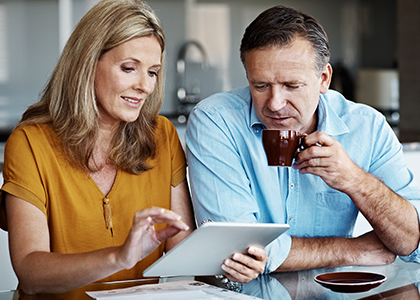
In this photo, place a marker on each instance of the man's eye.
(260, 87)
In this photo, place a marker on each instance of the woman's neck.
(100, 156)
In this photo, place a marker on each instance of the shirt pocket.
(335, 214)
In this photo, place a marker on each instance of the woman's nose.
(145, 83)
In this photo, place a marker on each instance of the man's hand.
(332, 252)
(393, 218)
(370, 251)
(244, 268)
(325, 158)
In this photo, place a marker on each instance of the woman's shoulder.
(33, 134)
(34, 129)
(165, 127)
(164, 123)
(166, 133)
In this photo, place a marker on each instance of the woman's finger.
(167, 232)
(151, 216)
(156, 212)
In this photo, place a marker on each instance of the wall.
(29, 50)
(362, 34)
(409, 65)
(29, 45)
(8, 280)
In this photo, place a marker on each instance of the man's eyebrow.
(288, 82)
(293, 82)
(257, 81)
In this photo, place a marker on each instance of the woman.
(91, 168)
(94, 179)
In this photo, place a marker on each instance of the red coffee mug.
(281, 146)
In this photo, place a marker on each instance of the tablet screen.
(203, 252)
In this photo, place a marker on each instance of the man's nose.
(277, 99)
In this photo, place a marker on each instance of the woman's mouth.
(131, 100)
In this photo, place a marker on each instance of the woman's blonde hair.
(68, 103)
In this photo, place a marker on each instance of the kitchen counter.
(402, 281)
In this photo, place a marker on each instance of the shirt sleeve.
(389, 166)
(21, 173)
(219, 179)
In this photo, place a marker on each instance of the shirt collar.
(254, 122)
(328, 120)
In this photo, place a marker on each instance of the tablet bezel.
(204, 250)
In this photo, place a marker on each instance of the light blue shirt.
(231, 181)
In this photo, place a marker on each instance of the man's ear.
(325, 78)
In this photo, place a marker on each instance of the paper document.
(176, 290)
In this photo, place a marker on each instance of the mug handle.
(302, 146)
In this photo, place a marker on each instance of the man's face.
(285, 87)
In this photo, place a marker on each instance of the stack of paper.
(177, 290)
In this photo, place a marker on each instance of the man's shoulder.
(341, 105)
(236, 99)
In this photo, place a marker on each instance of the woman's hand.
(244, 268)
(143, 238)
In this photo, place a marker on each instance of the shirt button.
(290, 218)
(292, 185)
(302, 279)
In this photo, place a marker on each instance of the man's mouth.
(279, 118)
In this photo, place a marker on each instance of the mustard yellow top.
(36, 170)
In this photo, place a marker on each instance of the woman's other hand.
(245, 267)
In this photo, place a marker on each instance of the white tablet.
(203, 252)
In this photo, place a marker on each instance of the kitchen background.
(363, 37)
(373, 52)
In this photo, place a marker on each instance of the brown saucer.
(350, 282)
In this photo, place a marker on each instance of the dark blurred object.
(379, 88)
(188, 97)
(4, 135)
(342, 81)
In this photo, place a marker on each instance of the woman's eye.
(153, 74)
(127, 69)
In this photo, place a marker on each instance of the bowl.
(350, 282)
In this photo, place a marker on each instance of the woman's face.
(125, 76)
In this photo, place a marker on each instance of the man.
(353, 161)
